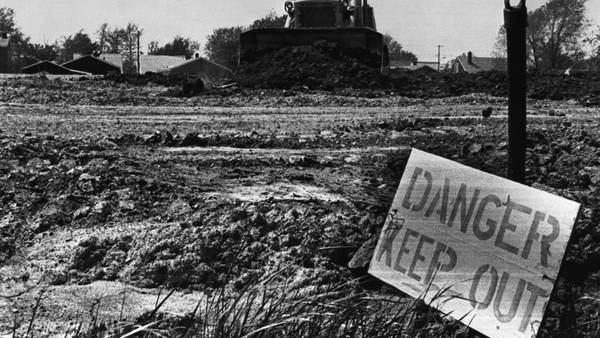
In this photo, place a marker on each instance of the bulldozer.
(347, 25)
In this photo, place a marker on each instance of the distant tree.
(38, 52)
(103, 36)
(397, 52)
(18, 41)
(499, 50)
(130, 35)
(594, 43)
(179, 46)
(153, 47)
(223, 46)
(554, 35)
(118, 40)
(115, 40)
(79, 43)
(271, 20)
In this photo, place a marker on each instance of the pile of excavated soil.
(323, 66)
(320, 66)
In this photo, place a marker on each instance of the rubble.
(260, 194)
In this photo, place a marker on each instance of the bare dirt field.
(112, 195)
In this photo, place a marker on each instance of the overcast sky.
(419, 25)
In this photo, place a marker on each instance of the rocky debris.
(162, 137)
(98, 259)
(193, 140)
(95, 166)
(7, 249)
(362, 258)
(50, 216)
(179, 208)
(87, 183)
(102, 209)
(288, 85)
(107, 145)
(487, 112)
(126, 206)
(354, 159)
(302, 160)
(81, 212)
(221, 240)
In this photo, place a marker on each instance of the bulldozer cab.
(329, 14)
(349, 25)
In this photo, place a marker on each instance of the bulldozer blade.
(363, 43)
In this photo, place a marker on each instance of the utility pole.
(439, 57)
(515, 21)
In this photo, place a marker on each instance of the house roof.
(198, 64)
(209, 72)
(91, 64)
(481, 64)
(50, 68)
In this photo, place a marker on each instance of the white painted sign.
(494, 244)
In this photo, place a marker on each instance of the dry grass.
(282, 307)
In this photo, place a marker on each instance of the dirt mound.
(324, 66)
(583, 87)
(320, 66)
(427, 84)
(181, 85)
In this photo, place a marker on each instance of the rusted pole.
(515, 22)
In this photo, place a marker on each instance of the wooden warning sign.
(494, 247)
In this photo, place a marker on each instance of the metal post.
(515, 22)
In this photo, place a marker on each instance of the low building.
(209, 72)
(469, 63)
(113, 59)
(159, 63)
(430, 65)
(51, 68)
(148, 63)
(93, 65)
(395, 64)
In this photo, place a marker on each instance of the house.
(209, 72)
(469, 63)
(113, 59)
(93, 65)
(47, 67)
(395, 64)
(159, 63)
(4, 59)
